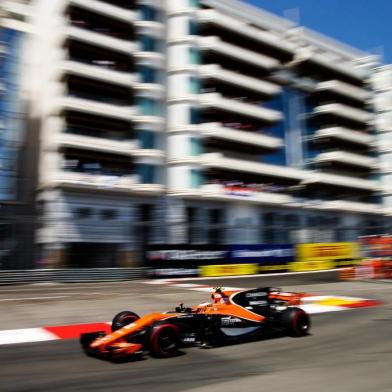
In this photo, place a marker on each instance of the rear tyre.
(164, 340)
(122, 319)
(296, 322)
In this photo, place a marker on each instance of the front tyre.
(296, 322)
(122, 319)
(164, 340)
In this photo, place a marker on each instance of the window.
(83, 212)
(194, 116)
(196, 178)
(194, 56)
(146, 139)
(146, 173)
(193, 27)
(109, 214)
(194, 3)
(148, 75)
(194, 85)
(148, 107)
(195, 146)
(148, 44)
(148, 13)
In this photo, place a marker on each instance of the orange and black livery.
(230, 316)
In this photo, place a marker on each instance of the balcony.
(219, 192)
(103, 8)
(219, 161)
(345, 134)
(334, 180)
(68, 140)
(80, 52)
(233, 30)
(255, 140)
(347, 158)
(214, 44)
(344, 111)
(325, 65)
(94, 182)
(216, 72)
(215, 100)
(89, 106)
(101, 40)
(352, 206)
(344, 89)
(98, 73)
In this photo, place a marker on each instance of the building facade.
(195, 121)
(382, 84)
(16, 223)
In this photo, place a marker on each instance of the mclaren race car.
(230, 316)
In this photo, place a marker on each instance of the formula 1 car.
(231, 316)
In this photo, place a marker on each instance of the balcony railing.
(347, 158)
(217, 101)
(344, 111)
(345, 89)
(217, 72)
(99, 71)
(218, 131)
(108, 9)
(345, 134)
(102, 40)
(94, 107)
(217, 45)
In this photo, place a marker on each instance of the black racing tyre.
(122, 319)
(295, 321)
(164, 340)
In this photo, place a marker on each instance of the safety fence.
(8, 277)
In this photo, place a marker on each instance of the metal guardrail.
(9, 277)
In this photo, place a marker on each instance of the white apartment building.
(212, 119)
(382, 84)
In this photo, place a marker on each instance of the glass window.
(148, 44)
(147, 12)
(195, 146)
(194, 56)
(146, 173)
(193, 3)
(193, 27)
(194, 85)
(148, 75)
(194, 116)
(109, 214)
(83, 212)
(196, 178)
(148, 107)
(146, 139)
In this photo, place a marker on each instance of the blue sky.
(365, 24)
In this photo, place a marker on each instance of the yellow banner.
(311, 265)
(228, 269)
(327, 251)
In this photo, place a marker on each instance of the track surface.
(347, 351)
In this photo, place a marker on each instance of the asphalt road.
(347, 351)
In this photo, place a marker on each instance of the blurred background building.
(16, 197)
(382, 83)
(192, 122)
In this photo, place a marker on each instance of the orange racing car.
(231, 316)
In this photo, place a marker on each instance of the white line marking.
(26, 336)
